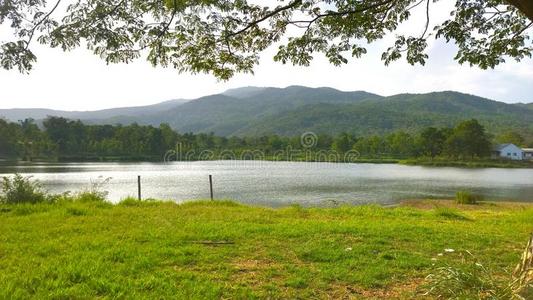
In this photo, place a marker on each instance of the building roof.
(527, 149)
(502, 146)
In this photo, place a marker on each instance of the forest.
(61, 139)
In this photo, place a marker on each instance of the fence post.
(139, 187)
(211, 186)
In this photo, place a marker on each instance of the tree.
(225, 37)
(58, 131)
(511, 137)
(431, 141)
(401, 144)
(275, 143)
(372, 146)
(9, 136)
(343, 142)
(169, 136)
(31, 139)
(468, 140)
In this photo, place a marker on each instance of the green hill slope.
(294, 110)
(297, 109)
(227, 115)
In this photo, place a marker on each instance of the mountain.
(243, 92)
(137, 111)
(227, 115)
(526, 105)
(296, 109)
(406, 111)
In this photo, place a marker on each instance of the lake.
(281, 183)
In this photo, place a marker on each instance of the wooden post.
(139, 186)
(211, 186)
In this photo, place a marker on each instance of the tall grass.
(523, 273)
(473, 280)
(466, 197)
(95, 191)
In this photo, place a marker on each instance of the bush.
(21, 189)
(465, 197)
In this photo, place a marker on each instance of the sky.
(78, 80)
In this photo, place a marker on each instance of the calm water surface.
(281, 183)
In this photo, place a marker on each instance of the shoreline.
(466, 164)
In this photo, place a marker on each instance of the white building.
(528, 153)
(509, 151)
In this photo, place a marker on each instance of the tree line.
(63, 139)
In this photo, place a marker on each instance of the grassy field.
(202, 250)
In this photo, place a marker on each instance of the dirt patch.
(252, 271)
(396, 291)
(485, 205)
(251, 265)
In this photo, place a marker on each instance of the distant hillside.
(296, 109)
(406, 111)
(524, 105)
(243, 92)
(138, 111)
(226, 115)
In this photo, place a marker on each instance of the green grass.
(199, 250)
(475, 163)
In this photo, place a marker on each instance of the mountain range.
(296, 109)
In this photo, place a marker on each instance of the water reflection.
(282, 183)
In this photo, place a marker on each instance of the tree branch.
(32, 31)
(265, 17)
(524, 6)
(343, 13)
(522, 30)
(427, 20)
